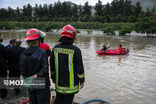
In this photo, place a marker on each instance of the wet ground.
(127, 79)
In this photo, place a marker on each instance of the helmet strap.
(74, 36)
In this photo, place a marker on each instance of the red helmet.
(33, 34)
(68, 31)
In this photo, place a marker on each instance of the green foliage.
(109, 30)
(77, 31)
(116, 11)
(87, 9)
(7, 25)
(127, 28)
(89, 31)
(99, 8)
(146, 25)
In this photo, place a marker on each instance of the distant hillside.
(146, 3)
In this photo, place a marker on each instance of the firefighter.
(67, 67)
(43, 45)
(34, 62)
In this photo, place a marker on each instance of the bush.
(127, 28)
(146, 25)
(109, 30)
(89, 31)
(77, 31)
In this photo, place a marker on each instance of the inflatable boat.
(112, 52)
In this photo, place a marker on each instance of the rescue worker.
(43, 45)
(67, 67)
(120, 49)
(105, 48)
(34, 62)
(3, 67)
(13, 61)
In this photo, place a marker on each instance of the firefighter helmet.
(33, 34)
(68, 31)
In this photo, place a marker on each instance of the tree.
(98, 8)
(27, 10)
(75, 10)
(87, 9)
(127, 8)
(3, 14)
(51, 11)
(57, 9)
(153, 11)
(11, 13)
(36, 10)
(65, 9)
(80, 10)
(107, 9)
(138, 9)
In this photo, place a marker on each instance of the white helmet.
(42, 34)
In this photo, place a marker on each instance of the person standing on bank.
(43, 45)
(34, 62)
(11, 43)
(67, 67)
(3, 67)
(13, 61)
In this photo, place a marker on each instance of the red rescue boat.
(113, 52)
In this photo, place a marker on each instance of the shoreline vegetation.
(146, 25)
(119, 15)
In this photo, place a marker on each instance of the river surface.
(127, 79)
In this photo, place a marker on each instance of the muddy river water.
(127, 79)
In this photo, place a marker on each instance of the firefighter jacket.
(67, 68)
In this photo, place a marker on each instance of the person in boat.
(3, 67)
(34, 64)
(120, 49)
(105, 48)
(66, 59)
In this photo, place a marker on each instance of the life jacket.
(120, 49)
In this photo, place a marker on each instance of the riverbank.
(143, 26)
(92, 32)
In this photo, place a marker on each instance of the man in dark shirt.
(13, 61)
(3, 66)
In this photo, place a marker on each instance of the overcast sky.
(20, 3)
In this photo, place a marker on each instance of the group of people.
(67, 71)
(120, 49)
(9, 61)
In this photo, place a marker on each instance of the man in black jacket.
(3, 66)
(67, 67)
(13, 61)
(34, 62)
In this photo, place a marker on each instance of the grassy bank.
(56, 25)
(144, 25)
